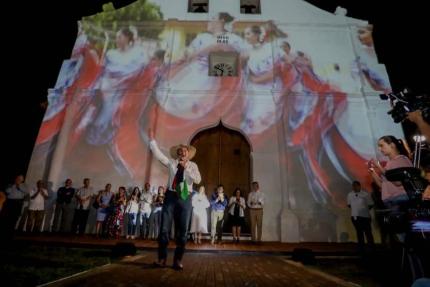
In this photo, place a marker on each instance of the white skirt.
(199, 222)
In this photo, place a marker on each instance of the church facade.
(275, 91)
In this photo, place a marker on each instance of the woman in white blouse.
(199, 222)
(131, 210)
(236, 210)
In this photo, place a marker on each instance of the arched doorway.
(223, 157)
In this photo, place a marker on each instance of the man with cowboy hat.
(177, 203)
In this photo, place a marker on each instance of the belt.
(176, 191)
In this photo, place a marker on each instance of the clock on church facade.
(223, 64)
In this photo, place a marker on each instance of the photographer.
(412, 106)
(417, 118)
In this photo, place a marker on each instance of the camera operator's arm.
(426, 193)
(417, 118)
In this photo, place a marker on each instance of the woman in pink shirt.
(393, 193)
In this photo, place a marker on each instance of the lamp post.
(417, 152)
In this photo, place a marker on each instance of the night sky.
(41, 35)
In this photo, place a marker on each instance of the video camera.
(405, 102)
(416, 213)
(411, 179)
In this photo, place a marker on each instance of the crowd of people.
(23, 210)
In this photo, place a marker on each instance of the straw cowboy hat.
(191, 151)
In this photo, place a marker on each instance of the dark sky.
(40, 35)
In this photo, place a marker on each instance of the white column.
(289, 221)
(60, 147)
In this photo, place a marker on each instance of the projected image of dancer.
(111, 118)
(367, 59)
(121, 65)
(190, 73)
(260, 114)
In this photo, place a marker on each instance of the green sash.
(183, 192)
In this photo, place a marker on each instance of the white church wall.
(312, 114)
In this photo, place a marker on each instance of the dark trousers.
(177, 210)
(151, 226)
(10, 214)
(131, 223)
(62, 217)
(363, 227)
(157, 224)
(144, 224)
(34, 220)
(80, 219)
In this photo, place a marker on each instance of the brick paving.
(205, 269)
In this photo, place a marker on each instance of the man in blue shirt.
(11, 212)
(218, 204)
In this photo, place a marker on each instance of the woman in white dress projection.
(198, 94)
(199, 221)
(261, 108)
(121, 66)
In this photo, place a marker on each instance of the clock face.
(222, 69)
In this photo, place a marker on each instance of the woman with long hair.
(236, 209)
(131, 210)
(117, 217)
(393, 193)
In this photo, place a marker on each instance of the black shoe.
(178, 266)
(160, 264)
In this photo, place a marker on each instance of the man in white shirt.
(256, 203)
(36, 208)
(177, 203)
(360, 203)
(82, 209)
(145, 208)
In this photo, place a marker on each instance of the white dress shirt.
(359, 203)
(256, 199)
(37, 203)
(86, 194)
(145, 201)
